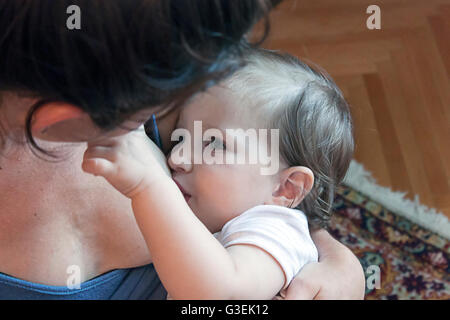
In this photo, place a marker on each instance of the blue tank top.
(141, 283)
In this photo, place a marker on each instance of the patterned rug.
(409, 261)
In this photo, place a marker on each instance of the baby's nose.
(179, 162)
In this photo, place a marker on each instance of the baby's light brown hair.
(313, 118)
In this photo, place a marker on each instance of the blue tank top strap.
(141, 283)
(134, 283)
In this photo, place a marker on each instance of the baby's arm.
(191, 263)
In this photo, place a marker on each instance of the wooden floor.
(397, 81)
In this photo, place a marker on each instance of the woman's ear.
(60, 121)
(52, 113)
(294, 184)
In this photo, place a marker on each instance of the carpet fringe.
(360, 179)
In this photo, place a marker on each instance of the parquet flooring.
(396, 79)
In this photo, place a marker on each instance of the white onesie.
(282, 232)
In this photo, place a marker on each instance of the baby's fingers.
(98, 167)
(100, 152)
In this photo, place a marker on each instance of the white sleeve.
(282, 232)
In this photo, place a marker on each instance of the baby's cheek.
(242, 189)
(218, 192)
(217, 187)
(228, 190)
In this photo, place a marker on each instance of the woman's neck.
(53, 215)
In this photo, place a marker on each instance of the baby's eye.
(217, 143)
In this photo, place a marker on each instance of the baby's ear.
(294, 184)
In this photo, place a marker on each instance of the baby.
(221, 229)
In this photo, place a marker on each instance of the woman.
(60, 88)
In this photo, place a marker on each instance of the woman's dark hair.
(128, 55)
(313, 118)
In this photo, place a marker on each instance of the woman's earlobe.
(52, 113)
(63, 122)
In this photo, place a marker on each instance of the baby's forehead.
(221, 107)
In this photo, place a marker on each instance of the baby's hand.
(130, 162)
